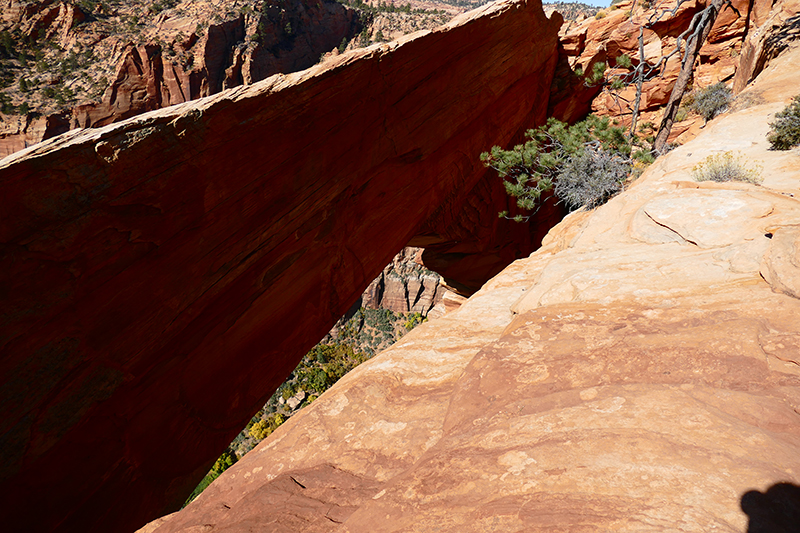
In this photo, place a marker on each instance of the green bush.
(712, 101)
(7, 44)
(598, 71)
(784, 133)
(726, 167)
(592, 158)
(623, 61)
(6, 107)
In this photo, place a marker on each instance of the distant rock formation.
(571, 11)
(639, 372)
(197, 48)
(162, 276)
(194, 49)
(139, 56)
(405, 286)
(286, 38)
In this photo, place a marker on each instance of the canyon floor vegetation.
(354, 340)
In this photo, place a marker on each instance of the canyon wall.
(284, 37)
(745, 36)
(639, 372)
(162, 276)
(189, 50)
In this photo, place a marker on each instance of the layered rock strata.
(639, 372)
(404, 285)
(162, 276)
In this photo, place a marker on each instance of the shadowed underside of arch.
(160, 277)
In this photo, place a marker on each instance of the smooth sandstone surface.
(162, 276)
(640, 372)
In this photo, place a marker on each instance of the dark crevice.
(670, 229)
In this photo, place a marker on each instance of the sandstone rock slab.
(615, 380)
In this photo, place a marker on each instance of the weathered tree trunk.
(693, 44)
(639, 82)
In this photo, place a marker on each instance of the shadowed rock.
(160, 277)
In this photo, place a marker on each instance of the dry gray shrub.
(712, 101)
(726, 167)
(591, 177)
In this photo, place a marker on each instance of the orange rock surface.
(162, 276)
(734, 38)
(640, 372)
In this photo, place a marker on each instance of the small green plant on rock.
(225, 461)
(597, 74)
(724, 167)
(624, 61)
(711, 101)
(784, 133)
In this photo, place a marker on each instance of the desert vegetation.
(726, 166)
(784, 132)
(710, 101)
(584, 164)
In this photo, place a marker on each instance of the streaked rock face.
(640, 372)
(146, 78)
(404, 285)
(162, 276)
(194, 50)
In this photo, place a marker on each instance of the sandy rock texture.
(640, 372)
(162, 276)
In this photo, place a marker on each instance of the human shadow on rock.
(775, 511)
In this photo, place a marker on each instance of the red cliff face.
(196, 49)
(732, 42)
(160, 277)
(284, 39)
